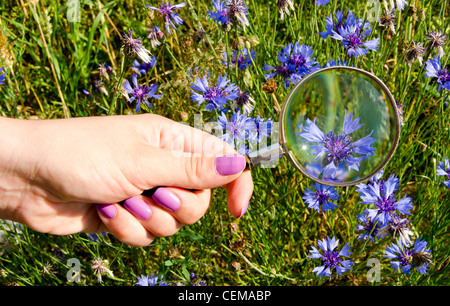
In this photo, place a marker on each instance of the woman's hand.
(66, 176)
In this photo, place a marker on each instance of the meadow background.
(50, 60)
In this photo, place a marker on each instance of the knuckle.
(195, 213)
(194, 167)
(166, 226)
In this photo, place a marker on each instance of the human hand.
(55, 174)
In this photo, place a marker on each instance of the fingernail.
(138, 208)
(227, 165)
(244, 209)
(107, 210)
(166, 198)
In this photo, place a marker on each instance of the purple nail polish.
(107, 210)
(244, 209)
(228, 165)
(166, 198)
(137, 207)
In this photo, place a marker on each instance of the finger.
(181, 138)
(150, 167)
(122, 224)
(239, 193)
(153, 218)
(184, 205)
(167, 134)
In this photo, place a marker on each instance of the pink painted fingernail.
(244, 209)
(228, 165)
(107, 210)
(166, 198)
(138, 208)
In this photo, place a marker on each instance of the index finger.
(179, 137)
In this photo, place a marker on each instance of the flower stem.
(276, 104)
(118, 88)
(63, 101)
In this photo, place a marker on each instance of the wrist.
(15, 167)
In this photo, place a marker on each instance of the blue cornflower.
(134, 46)
(140, 93)
(443, 168)
(322, 2)
(288, 74)
(144, 67)
(333, 25)
(215, 96)
(405, 258)
(221, 13)
(263, 129)
(377, 178)
(337, 149)
(170, 16)
(143, 280)
(434, 69)
(322, 195)
(300, 57)
(146, 280)
(352, 38)
(2, 77)
(381, 195)
(395, 226)
(331, 258)
(237, 129)
(370, 229)
(351, 31)
(229, 12)
(241, 59)
(296, 61)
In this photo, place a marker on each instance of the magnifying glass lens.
(340, 126)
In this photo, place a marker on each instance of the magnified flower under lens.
(336, 149)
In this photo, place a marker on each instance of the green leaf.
(191, 235)
(186, 273)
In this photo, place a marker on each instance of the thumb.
(160, 167)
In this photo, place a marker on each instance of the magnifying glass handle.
(264, 156)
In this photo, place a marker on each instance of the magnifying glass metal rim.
(291, 157)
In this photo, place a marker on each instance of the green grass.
(272, 240)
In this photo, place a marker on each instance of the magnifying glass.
(338, 126)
